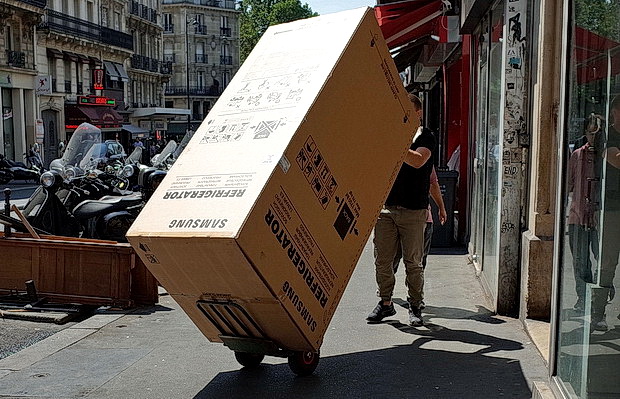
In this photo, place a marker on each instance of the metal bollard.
(7, 210)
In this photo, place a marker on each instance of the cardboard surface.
(274, 198)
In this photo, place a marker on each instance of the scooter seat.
(109, 203)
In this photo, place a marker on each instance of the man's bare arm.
(417, 158)
(435, 192)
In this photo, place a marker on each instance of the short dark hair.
(415, 100)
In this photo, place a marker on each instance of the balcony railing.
(169, 28)
(16, 58)
(201, 59)
(143, 11)
(67, 86)
(225, 59)
(165, 68)
(150, 64)
(193, 91)
(169, 58)
(80, 88)
(228, 4)
(225, 32)
(200, 29)
(36, 3)
(64, 23)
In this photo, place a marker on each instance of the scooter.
(107, 218)
(18, 170)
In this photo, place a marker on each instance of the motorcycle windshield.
(183, 144)
(83, 138)
(159, 160)
(135, 156)
(101, 154)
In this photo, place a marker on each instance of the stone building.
(83, 48)
(201, 39)
(18, 65)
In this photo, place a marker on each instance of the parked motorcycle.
(33, 159)
(16, 170)
(87, 151)
(108, 217)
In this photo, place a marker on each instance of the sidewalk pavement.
(463, 351)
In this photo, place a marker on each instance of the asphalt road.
(16, 335)
(19, 190)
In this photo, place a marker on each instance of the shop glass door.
(588, 327)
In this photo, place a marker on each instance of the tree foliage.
(257, 15)
(599, 16)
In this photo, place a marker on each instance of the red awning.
(591, 51)
(406, 21)
(97, 115)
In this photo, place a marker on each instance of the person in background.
(584, 172)
(62, 146)
(435, 192)
(402, 221)
(605, 291)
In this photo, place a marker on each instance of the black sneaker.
(599, 323)
(381, 311)
(415, 317)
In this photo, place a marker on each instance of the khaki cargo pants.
(395, 224)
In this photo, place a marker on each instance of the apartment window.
(8, 37)
(76, 9)
(90, 11)
(168, 23)
(104, 16)
(200, 79)
(224, 21)
(65, 7)
(117, 20)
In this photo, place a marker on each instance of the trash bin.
(443, 235)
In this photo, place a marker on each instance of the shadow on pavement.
(483, 315)
(422, 369)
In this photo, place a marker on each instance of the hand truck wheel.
(303, 363)
(249, 360)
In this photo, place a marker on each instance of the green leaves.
(258, 15)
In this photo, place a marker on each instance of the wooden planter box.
(69, 270)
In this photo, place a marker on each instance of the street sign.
(39, 131)
(43, 85)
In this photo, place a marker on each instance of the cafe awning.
(111, 71)
(121, 72)
(144, 112)
(136, 132)
(406, 21)
(102, 117)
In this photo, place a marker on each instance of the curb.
(57, 342)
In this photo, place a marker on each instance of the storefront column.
(514, 155)
(537, 247)
(19, 126)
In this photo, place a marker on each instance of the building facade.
(201, 40)
(148, 71)
(84, 51)
(18, 66)
(539, 170)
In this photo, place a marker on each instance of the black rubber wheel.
(303, 363)
(249, 360)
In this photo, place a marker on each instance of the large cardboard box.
(258, 226)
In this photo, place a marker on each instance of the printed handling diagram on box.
(270, 92)
(236, 129)
(317, 172)
(324, 185)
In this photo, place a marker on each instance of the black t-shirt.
(411, 188)
(612, 178)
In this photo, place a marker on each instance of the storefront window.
(487, 137)
(588, 336)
